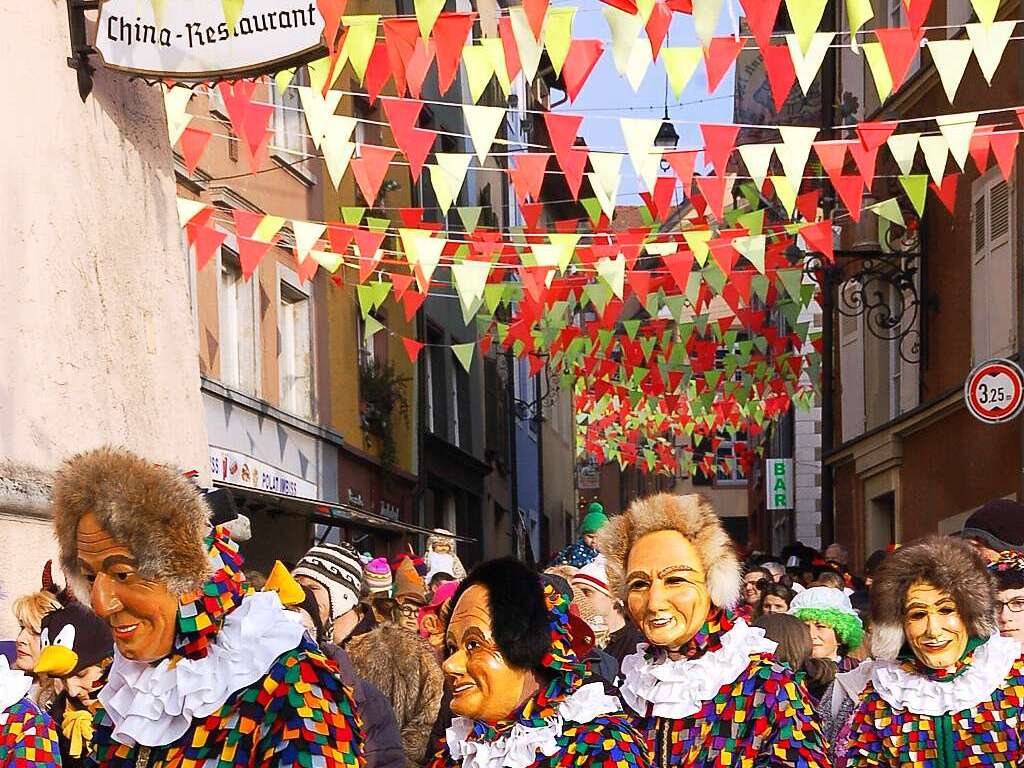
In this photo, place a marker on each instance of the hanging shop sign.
(779, 473)
(193, 40)
(994, 391)
(239, 469)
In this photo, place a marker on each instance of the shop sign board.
(779, 475)
(192, 40)
(994, 391)
(239, 469)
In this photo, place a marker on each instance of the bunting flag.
(989, 41)
(680, 64)
(950, 58)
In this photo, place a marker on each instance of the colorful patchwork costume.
(968, 716)
(569, 723)
(727, 702)
(28, 737)
(244, 687)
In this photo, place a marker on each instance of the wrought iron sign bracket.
(81, 50)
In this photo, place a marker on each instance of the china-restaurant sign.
(192, 40)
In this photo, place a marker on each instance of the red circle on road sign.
(994, 391)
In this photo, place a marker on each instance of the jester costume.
(726, 702)
(949, 715)
(966, 716)
(244, 686)
(570, 722)
(28, 737)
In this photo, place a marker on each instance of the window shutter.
(851, 367)
(1001, 272)
(979, 271)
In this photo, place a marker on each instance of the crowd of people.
(650, 641)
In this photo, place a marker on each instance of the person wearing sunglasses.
(1008, 571)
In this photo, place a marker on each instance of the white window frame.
(737, 478)
(290, 142)
(290, 292)
(992, 278)
(229, 336)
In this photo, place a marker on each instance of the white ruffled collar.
(903, 689)
(676, 689)
(14, 685)
(519, 747)
(154, 705)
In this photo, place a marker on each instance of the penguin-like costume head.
(72, 639)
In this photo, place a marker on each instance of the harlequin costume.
(722, 699)
(965, 714)
(570, 721)
(241, 685)
(28, 737)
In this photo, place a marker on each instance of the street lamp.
(667, 138)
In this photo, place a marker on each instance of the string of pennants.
(721, 344)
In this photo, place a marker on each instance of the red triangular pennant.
(450, 33)
(872, 135)
(579, 63)
(412, 348)
(573, 163)
(807, 204)
(369, 243)
(418, 66)
(1004, 147)
(946, 192)
(528, 174)
(332, 11)
(865, 160)
(513, 65)
(832, 155)
(340, 236)
(400, 284)
(412, 301)
(250, 254)
(640, 281)
(531, 213)
(819, 238)
(719, 56)
(899, 45)
(206, 241)
(246, 221)
(193, 144)
(682, 162)
(657, 26)
(679, 265)
(418, 144)
(307, 270)
(535, 11)
(980, 142)
(719, 141)
(400, 36)
(713, 190)
(917, 12)
(761, 15)
(778, 63)
(378, 72)
(370, 168)
(562, 130)
(851, 192)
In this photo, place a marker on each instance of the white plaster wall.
(96, 336)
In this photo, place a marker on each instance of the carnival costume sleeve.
(28, 738)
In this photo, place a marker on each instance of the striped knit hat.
(377, 575)
(337, 569)
(593, 575)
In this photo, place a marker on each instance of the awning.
(329, 512)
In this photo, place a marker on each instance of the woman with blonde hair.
(29, 610)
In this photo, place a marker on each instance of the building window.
(993, 305)
(239, 326)
(728, 468)
(289, 125)
(374, 349)
(295, 358)
(437, 401)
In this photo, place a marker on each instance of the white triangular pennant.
(903, 147)
(483, 124)
(306, 235)
(794, 151)
(757, 158)
(989, 43)
(935, 150)
(958, 130)
(807, 65)
(950, 58)
(318, 110)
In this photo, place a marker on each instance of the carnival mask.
(485, 687)
(666, 589)
(933, 626)
(142, 614)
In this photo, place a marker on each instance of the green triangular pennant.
(464, 354)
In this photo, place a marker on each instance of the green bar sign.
(779, 474)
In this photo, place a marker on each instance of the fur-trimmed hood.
(154, 511)
(694, 517)
(951, 565)
(403, 667)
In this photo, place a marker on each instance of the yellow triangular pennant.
(680, 64)
(557, 33)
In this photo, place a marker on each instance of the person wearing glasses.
(1008, 571)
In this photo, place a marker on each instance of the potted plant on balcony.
(382, 398)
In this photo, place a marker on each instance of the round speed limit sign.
(995, 391)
